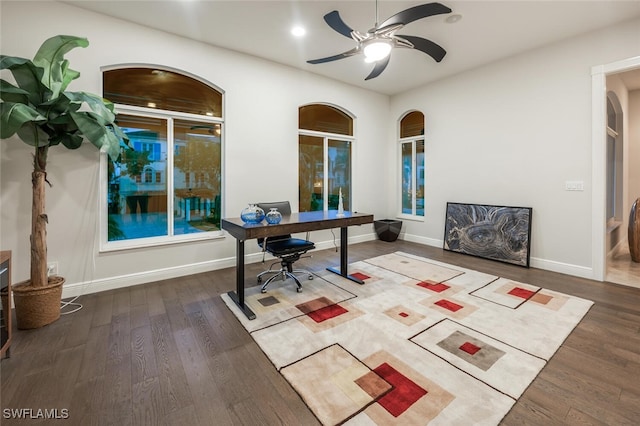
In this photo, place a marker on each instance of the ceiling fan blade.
(415, 13)
(342, 55)
(335, 21)
(380, 66)
(427, 46)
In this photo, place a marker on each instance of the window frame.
(109, 246)
(326, 136)
(325, 159)
(414, 166)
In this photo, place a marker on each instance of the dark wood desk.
(296, 222)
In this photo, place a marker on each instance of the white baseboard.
(112, 283)
(547, 265)
(421, 240)
(563, 268)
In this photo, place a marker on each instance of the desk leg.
(344, 258)
(238, 295)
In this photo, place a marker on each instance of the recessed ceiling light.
(452, 19)
(298, 31)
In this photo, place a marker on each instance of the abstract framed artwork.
(493, 232)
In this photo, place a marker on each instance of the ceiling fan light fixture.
(298, 31)
(376, 50)
(376, 43)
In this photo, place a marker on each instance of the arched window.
(148, 174)
(169, 186)
(412, 164)
(325, 140)
(162, 90)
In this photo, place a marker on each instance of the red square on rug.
(453, 307)
(433, 286)
(521, 292)
(315, 304)
(360, 276)
(405, 391)
(326, 313)
(469, 348)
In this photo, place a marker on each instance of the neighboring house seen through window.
(168, 188)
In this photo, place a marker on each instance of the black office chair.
(284, 247)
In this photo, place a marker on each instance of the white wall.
(617, 235)
(634, 149)
(511, 133)
(262, 100)
(630, 103)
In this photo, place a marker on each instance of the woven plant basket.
(37, 306)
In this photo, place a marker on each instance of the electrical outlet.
(52, 268)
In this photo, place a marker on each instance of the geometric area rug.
(421, 342)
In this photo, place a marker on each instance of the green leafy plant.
(42, 113)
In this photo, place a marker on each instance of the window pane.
(407, 173)
(311, 173)
(137, 200)
(412, 125)
(339, 174)
(611, 115)
(324, 118)
(419, 178)
(197, 176)
(611, 177)
(165, 90)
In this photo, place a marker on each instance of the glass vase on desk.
(273, 217)
(252, 214)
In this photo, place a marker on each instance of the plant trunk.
(39, 276)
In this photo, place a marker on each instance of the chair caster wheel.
(259, 280)
(299, 290)
(310, 277)
(264, 290)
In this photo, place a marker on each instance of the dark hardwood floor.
(171, 353)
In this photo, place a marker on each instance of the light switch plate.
(574, 185)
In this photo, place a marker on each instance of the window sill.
(613, 225)
(410, 217)
(114, 246)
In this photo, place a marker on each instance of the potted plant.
(39, 110)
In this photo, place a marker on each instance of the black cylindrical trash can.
(387, 229)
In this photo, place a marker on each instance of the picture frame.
(501, 233)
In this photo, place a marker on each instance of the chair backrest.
(285, 210)
(283, 207)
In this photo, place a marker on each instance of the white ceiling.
(488, 31)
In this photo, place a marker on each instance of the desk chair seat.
(285, 247)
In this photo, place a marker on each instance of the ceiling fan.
(377, 43)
